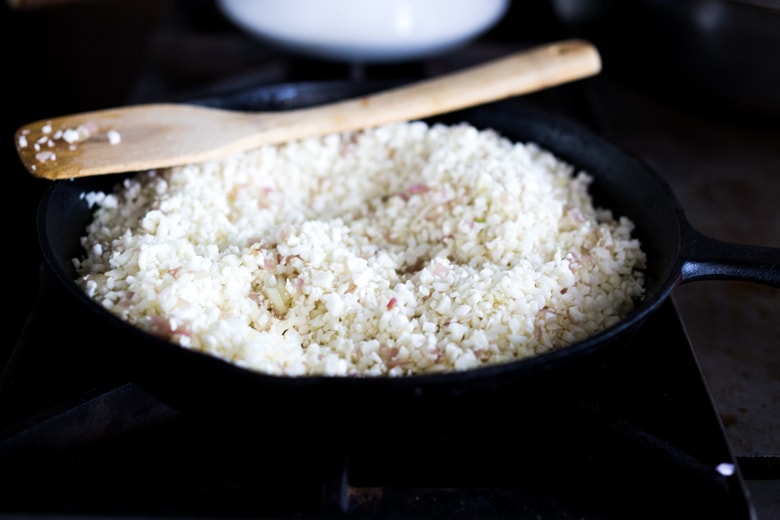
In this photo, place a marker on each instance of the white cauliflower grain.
(405, 249)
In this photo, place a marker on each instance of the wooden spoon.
(158, 135)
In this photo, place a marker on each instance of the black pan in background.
(676, 254)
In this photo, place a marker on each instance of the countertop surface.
(727, 177)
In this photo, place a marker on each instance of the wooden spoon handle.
(518, 73)
(159, 135)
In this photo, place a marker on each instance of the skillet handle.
(707, 258)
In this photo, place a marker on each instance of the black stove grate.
(639, 439)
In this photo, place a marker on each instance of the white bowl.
(365, 31)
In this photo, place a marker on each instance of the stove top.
(639, 438)
(656, 434)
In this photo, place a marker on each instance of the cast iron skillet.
(676, 254)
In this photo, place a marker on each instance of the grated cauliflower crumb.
(406, 249)
(113, 137)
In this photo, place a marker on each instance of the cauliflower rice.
(406, 249)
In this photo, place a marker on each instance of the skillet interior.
(187, 378)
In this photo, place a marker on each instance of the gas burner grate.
(640, 440)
